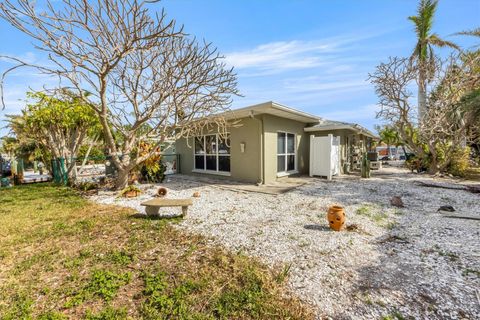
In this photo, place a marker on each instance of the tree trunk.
(422, 95)
(121, 181)
(84, 162)
(433, 168)
(404, 151)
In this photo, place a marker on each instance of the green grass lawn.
(62, 257)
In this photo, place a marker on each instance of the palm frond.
(435, 40)
(474, 32)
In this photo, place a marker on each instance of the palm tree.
(389, 136)
(423, 52)
(473, 33)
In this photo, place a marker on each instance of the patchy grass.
(377, 215)
(64, 257)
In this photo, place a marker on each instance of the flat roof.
(283, 111)
(328, 125)
(275, 109)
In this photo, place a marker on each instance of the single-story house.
(271, 141)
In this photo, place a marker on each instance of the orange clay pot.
(336, 218)
(161, 192)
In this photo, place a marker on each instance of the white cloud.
(280, 55)
(318, 84)
(352, 113)
(275, 57)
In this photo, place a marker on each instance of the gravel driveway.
(413, 262)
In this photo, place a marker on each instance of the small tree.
(59, 123)
(142, 71)
(442, 133)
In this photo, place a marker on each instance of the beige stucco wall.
(243, 166)
(272, 125)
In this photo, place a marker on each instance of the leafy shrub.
(96, 155)
(152, 169)
(416, 164)
(129, 189)
(153, 172)
(460, 162)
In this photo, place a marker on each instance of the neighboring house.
(272, 141)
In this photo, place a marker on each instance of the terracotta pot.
(161, 192)
(336, 218)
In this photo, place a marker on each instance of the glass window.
(280, 163)
(290, 162)
(285, 152)
(290, 143)
(281, 142)
(223, 145)
(211, 163)
(224, 163)
(212, 153)
(199, 145)
(200, 162)
(211, 144)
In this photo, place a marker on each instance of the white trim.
(218, 173)
(273, 108)
(286, 173)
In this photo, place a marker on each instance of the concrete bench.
(153, 206)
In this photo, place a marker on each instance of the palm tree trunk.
(422, 95)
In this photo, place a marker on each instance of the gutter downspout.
(262, 147)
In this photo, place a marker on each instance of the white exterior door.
(324, 156)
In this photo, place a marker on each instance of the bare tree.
(445, 127)
(146, 77)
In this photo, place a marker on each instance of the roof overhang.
(272, 108)
(352, 127)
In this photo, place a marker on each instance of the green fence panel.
(59, 171)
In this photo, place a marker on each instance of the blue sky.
(308, 54)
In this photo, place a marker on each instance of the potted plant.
(130, 192)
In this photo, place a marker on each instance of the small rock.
(396, 201)
(446, 208)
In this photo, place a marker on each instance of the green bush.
(154, 172)
(460, 162)
(96, 154)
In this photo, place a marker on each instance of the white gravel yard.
(413, 262)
